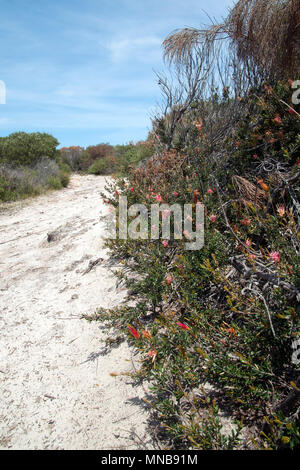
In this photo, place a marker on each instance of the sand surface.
(56, 387)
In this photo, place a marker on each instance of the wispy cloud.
(144, 49)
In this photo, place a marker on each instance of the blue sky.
(83, 70)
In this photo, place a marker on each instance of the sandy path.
(56, 387)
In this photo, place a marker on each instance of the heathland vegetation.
(31, 163)
(218, 329)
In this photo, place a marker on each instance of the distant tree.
(21, 148)
(100, 151)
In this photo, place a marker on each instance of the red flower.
(182, 326)
(278, 119)
(131, 189)
(246, 222)
(133, 331)
(275, 256)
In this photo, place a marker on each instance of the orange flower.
(263, 185)
(146, 334)
(231, 332)
(152, 353)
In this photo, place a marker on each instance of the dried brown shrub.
(265, 34)
(248, 192)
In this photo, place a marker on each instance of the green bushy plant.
(99, 167)
(54, 182)
(21, 148)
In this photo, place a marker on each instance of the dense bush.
(100, 167)
(24, 149)
(215, 326)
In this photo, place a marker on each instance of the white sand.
(56, 388)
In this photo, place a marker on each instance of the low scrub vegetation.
(105, 159)
(29, 165)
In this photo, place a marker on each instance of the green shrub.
(63, 166)
(6, 194)
(99, 167)
(21, 148)
(54, 182)
(64, 178)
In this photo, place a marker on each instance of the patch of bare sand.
(57, 391)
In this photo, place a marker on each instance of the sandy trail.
(56, 387)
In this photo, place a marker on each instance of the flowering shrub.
(214, 327)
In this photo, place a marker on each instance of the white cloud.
(146, 49)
